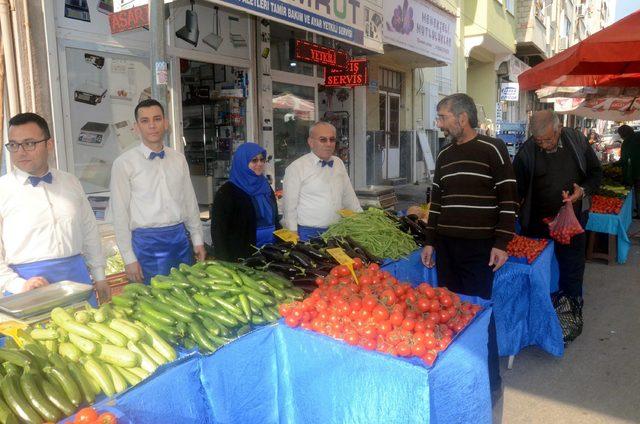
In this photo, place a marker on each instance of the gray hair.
(541, 121)
(320, 123)
(460, 103)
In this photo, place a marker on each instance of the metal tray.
(44, 299)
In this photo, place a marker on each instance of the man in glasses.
(48, 232)
(553, 166)
(153, 204)
(317, 186)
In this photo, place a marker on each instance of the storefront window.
(280, 56)
(294, 111)
(213, 122)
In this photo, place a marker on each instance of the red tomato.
(385, 327)
(357, 263)
(418, 349)
(423, 304)
(429, 358)
(292, 321)
(404, 349)
(380, 313)
(408, 324)
(107, 418)
(369, 302)
(86, 415)
(396, 318)
(374, 267)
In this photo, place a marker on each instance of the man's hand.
(497, 258)
(427, 256)
(34, 283)
(578, 193)
(201, 253)
(103, 290)
(134, 272)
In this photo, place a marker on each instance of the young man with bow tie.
(48, 232)
(317, 186)
(153, 204)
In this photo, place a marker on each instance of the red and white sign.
(129, 19)
(356, 74)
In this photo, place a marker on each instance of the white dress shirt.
(49, 221)
(150, 194)
(314, 194)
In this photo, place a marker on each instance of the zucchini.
(131, 332)
(160, 345)
(86, 346)
(57, 398)
(6, 414)
(59, 315)
(16, 401)
(97, 372)
(139, 372)
(83, 317)
(86, 388)
(102, 313)
(136, 289)
(68, 384)
(14, 357)
(44, 334)
(169, 311)
(131, 378)
(157, 325)
(118, 356)
(119, 382)
(73, 327)
(150, 309)
(110, 335)
(201, 337)
(178, 303)
(153, 354)
(70, 351)
(146, 362)
(36, 399)
(122, 302)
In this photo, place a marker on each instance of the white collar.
(146, 151)
(23, 177)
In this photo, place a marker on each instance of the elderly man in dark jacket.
(555, 164)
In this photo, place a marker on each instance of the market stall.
(279, 374)
(522, 307)
(615, 224)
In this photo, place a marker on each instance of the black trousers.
(571, 257)
(463, 267)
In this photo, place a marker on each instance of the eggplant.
(274, 255)
(369, 256)
(413, 226)
(310, 251)
(284, 268)
(255, 261)
(282, 248)
(302, 259)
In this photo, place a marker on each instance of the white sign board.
(421, 28)
(509, 91)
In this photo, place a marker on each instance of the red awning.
(608, 57)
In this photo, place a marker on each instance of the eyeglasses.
(27, 146)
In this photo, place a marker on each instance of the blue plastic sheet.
(281, 375)
(523, 310)
(616, 225)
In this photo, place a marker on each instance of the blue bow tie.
(327, 163)
(154, 155)
(47, 178)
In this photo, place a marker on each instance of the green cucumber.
(159, 344)
(68, 384)
(14, 357)
(97, 372)
(86, 388)
(6, 414)
(36, 399)
(152, 353)
(147, 308)
(146, 362)
(16, 400)
(170, 311)
(119, 382)
(57, 397)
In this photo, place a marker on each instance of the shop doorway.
(389, 104)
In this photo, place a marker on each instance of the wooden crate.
(116, 284)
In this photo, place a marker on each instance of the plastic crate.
(116, 284)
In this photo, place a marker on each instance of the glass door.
(389, 104)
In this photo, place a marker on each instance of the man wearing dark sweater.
(473, 208)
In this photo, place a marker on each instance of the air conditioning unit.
(563, 43)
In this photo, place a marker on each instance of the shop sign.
(420, 27)
(306, 51)
(509, 91)
(357, 74)
(339, 19)
(129, 19)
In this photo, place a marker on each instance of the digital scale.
(93, 134)
(91, 94)
(378, 196)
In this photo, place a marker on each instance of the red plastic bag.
(565, 225)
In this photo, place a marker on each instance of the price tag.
(343, 259)
(345, 213)
(10, 328)
(286, 235)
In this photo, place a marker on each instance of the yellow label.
(343, 259)
(346, 213)
(286, 235)
(10, 328)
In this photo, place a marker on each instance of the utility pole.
(159, 67)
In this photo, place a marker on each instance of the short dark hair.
(460, 103)
(28, 117)
(625, 131)
(147, 103)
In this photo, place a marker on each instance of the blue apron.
(72, 268)
(306, 233)
(264, 235)
(160, 249)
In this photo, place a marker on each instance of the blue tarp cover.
(281, 375)
(616, 225)
(523, 310)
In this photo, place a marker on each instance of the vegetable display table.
(523, 310)
(281, 375)
(616, 225)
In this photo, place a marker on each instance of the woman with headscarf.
(245, 213)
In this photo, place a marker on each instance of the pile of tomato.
(89, 415)
(602, 204)
(379, 313)
(525, 247)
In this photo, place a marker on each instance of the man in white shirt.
(153, 203)
(46, 222)
(317, 186)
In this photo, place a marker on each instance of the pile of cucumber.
(72, 359)
(208, 304)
